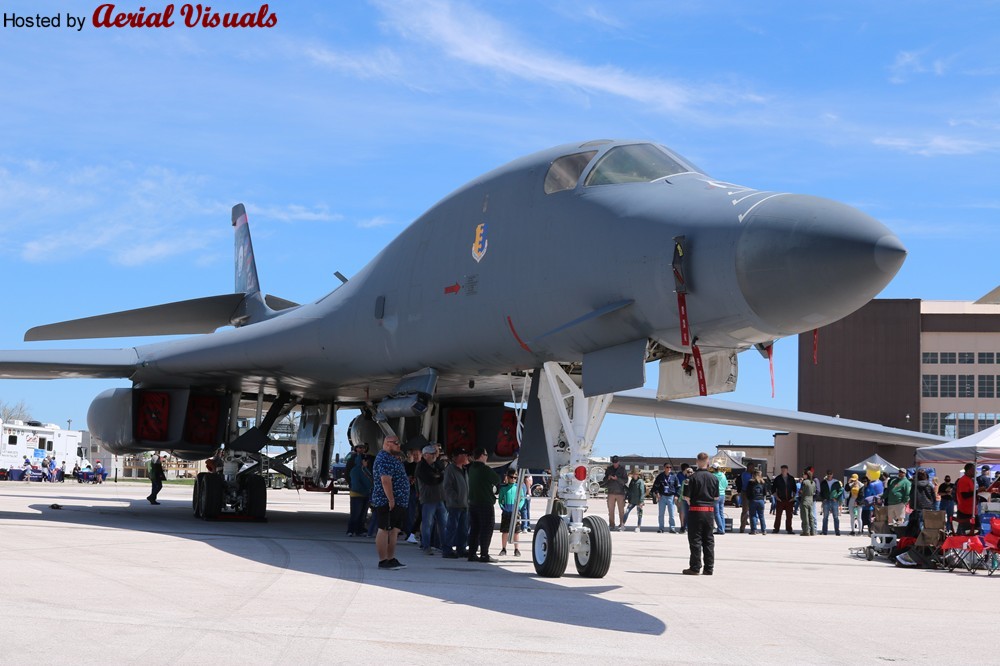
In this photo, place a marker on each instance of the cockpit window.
(566, 170)
(637, 163)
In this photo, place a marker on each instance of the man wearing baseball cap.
(456, 501)
(615, 481)
(430, 488)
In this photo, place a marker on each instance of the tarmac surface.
(109, 578)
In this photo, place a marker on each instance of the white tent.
(982, 447)
(875, 459)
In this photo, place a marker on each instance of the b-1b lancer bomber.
(548, 283)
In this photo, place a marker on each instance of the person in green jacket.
(807, 491)
(720, 504)
(508, 492)
(635, 495)
(897, 496)
(483, 482)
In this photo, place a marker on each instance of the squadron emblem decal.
(480, 244)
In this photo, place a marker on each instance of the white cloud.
(374, 222)
(127, 214)
(382, 63)
(476, 38)
(292, 213)
(910, 63)
(937, 145)
(594, 14)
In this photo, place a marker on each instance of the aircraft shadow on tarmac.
(469, 584)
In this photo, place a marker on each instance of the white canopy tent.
(982, 447)
(874, 459)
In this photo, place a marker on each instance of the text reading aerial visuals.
(109, 15)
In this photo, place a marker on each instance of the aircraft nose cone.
(803, 262)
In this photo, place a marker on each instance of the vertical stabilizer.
(246, 268)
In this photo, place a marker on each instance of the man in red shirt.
(965, 497)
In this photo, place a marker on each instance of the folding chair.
(991, 554)
(932, 535)
(963, 551)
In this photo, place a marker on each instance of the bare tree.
(14, 412)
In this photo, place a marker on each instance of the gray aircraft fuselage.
(760, 266)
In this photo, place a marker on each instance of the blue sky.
(122, 150)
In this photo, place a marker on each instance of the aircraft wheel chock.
(550, 546)
(594, 557)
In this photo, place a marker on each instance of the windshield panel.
(637, 163)
(566, 170)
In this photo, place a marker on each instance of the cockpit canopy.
(632, 163)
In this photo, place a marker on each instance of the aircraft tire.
(550, 546)
(196, 499)
(212, 496)
(256, 490)
(594, 558)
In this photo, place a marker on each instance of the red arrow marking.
(453, 289)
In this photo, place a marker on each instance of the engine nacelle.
(189, 424)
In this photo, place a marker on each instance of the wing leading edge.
(643, 402)
(68, 364)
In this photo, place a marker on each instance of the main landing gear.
(571, 422)
(225, 493)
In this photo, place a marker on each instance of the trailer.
(37, 441)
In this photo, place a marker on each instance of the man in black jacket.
(156, 477)
(665, 488)
(430, 489)
(783, 488)
(701, 491)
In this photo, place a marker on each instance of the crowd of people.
(447, 504)
(817, 502)
(444, 504)
(50, 472)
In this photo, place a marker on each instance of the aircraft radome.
(550, 281)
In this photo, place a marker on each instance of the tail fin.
(246, 267)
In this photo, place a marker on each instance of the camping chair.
(931, 536)
(963, 551)
(991, 556)
(883, 536)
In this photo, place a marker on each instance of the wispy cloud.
(374, 222)
(934, 146)
(129, 215)
(597, 15)
(910, 63)
(382, 63)
(476, 38)
(293, 213)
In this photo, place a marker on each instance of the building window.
(947, 425)
(984, 421)
(948, 386)
(986, 386)
(929, 423)
(930, 386)
(966, 358)
(966, 386)
(947, 357)
(986, 357)
(12, 439)
(929, 357)
(966, 425)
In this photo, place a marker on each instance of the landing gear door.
(313, 444)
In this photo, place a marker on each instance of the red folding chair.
(991, 553)
(965, 552)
